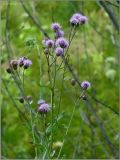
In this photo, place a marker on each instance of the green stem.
(33, 134)
(68, 128)
(40, 69)
(52, 102)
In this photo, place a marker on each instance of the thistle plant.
(59, 94)
(56, 51)
(43, 120)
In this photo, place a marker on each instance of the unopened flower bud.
(46, 51)
(29, 98)
(9, 70)
(21, 99)
(14, 64)
(73, 82)
(83, 97)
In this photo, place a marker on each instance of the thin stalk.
(61, 92)
(23, 79)
(40, 69)
(109, 143)
(71, 36)
(78, 139)
(31, 118)
(70, 40)
(52, 103)
(33, 134)
(66, 132)
(72, 114)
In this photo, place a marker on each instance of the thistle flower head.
(27, 63)
(73, 82)
(77, 15)
(21, 61)
(77, 19)
(44, 108)
(9, 70)
(85, 84)
(29, 99)
(46, 51)
(74, 21)
(83, 97)
(62, 42)
(49, 43)
(21, 99)
(41, 102)
(59, 51)
(59, 34)
(55, 26)
(14, 64)
(83, 19)
(44, 41)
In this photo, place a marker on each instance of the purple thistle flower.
(44, 41)
(59, 34)
(59, 51)
(49, 43)
(78, 18)
(74, 21)
(77, 15)
(27, 63)
(55, 26)
(62, 42)
(85, 84)
(44, 108)
(40, 102)
(21, 61)
(83, 20)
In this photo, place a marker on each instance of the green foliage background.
(93, 55)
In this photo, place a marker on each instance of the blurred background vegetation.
(93, 56)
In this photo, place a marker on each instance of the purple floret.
(83, 19)
(55, 26)
(77, 15)
(78, 18)
(74, 21)
(44, 41)
(62, 42)
(49, 43)
(85, 84)
(27, 63)
(21, 61)
(44, 108)
(41, 102)
(59, 51)
(59, 34)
